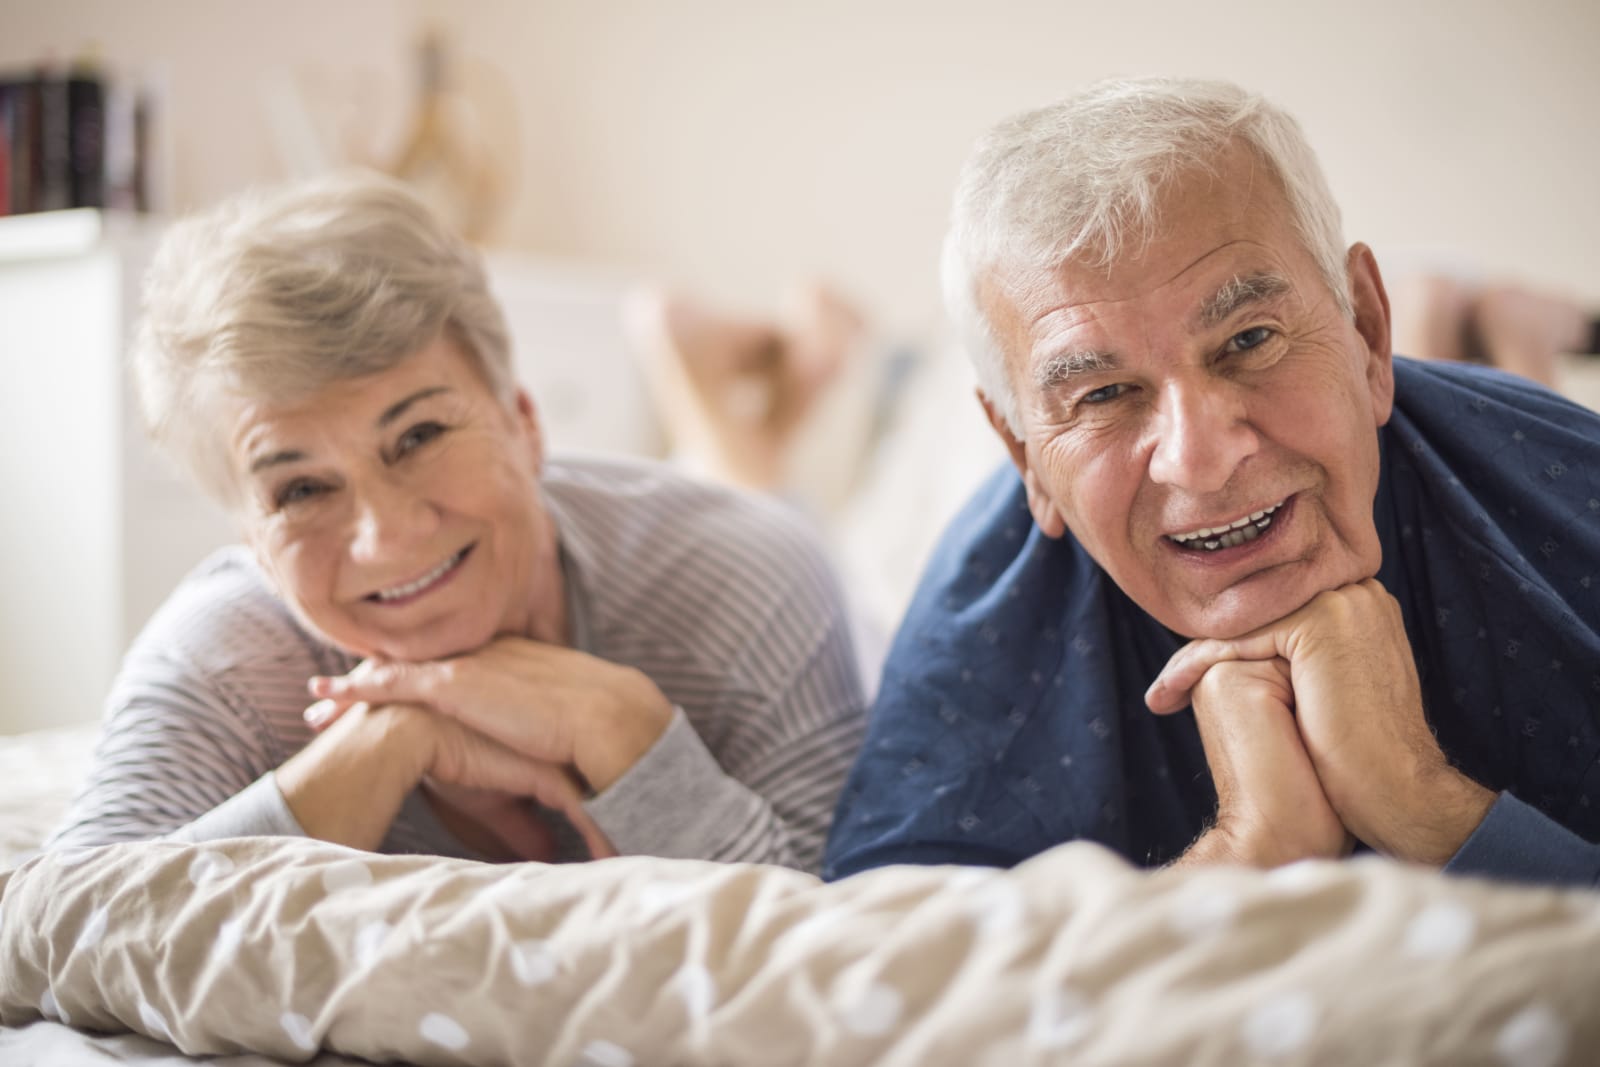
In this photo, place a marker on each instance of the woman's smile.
(414, 590)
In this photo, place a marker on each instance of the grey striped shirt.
(724, 600)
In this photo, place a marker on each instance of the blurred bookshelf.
(74, 136)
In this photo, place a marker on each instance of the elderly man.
(1283, 596)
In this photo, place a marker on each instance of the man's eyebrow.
(1241, 292)
(394, 411)
(1064, 366)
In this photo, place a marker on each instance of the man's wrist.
(1446, 808)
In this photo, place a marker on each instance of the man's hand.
(550, 704)
(1270, 806)
(1359, 709)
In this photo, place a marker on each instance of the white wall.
(732, 145)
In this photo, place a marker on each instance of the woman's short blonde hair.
(273, 296)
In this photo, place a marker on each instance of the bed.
(252, 952)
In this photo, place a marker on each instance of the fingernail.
(318, 713)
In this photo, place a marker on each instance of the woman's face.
(399, 514)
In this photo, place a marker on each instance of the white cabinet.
(93, 528)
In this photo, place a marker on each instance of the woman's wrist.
(638, 718)
(347, 786)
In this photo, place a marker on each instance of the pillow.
(285, 946)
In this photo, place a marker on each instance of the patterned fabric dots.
(1534, 1037)
(1203, 912)
(349, 875)
(155, 1024)
(533, 962)
(51, 1009)
(1293, 877)
(658, 898)
(229, 934)
(298, 1027)
(1059, 1018)
(209, 865)
(698, 987)
(1440, 932)
(605, 1054)
(369, 942)
(1280, 1025)
(874, 1013)
(998, 909)
(93, 930)
(443, 1031)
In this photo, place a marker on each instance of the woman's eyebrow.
(1240, 292)
(394, 411)
(276, 459)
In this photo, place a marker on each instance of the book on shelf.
(70, 138)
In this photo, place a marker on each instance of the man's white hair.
(271, 297)
(1082, 181)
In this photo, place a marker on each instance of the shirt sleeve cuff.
(1518, 843)
(258, 810)
(677, 801)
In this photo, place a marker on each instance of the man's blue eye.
(1247, 339)
(1104, 394)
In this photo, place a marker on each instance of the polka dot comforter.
(294, 950)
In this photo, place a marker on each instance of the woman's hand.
(348, 784)
(552, 705)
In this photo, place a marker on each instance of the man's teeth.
(422, 583)
(1210, 539)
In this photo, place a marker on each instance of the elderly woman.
(504, 655)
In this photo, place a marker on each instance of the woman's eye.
(417, 436)
(1104, 394)
(297, 491)
(1248, 339)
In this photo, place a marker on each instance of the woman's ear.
(528, 423)
(1369, 303)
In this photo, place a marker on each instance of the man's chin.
(1239, 611)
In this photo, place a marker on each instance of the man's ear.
(1049, 520)
(1370, 303)
(528, 423)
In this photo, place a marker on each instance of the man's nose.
(389, 518)
(1202, 433)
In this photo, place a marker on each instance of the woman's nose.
(1202, 433)
(389, 518)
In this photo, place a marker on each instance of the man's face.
(1202, 417)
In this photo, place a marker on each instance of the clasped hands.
(483, 731)
(1314, 731)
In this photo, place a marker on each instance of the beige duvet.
(287, 947)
